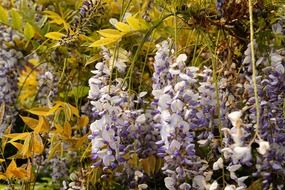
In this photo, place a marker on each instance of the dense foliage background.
(155, 94)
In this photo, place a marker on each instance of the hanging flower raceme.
(121, 131)
(271, 88)
(10, 60)
(184, 100)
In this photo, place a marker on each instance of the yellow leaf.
(67, 131)
(26, 150)
(53, 150)
(56, 18)
(29, 172)
(134, 160)
(4, 15)
(92, 59)
(34, 61)
(14, 172)
(4, 139)
(54, 35)
(67, 112)
(2, 111)
(40, 111)
(2, 176)
(103, 42)
(17, 136)
(30, 122)
(146, 166)
(123, 27)
(42, 125)
(58, 129)
(37, 143)
(19, 146)
(133, 22)
(74, 110)
(80, 141)
(83, 121)
(16, 19)
(2, 160)
(110, 33)
(29, 31)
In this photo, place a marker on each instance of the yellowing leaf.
(30, 122)
(110, 33)
(133, 22)
(54, 35)
(2, 176)
(67, 131)
(123, 27)
(14, 172)
(56, 18)
(19, 146)
(37, 144)
(34, 61)
(40, 111)
(80, 142)
(26, 150)
(92, 59)
(29, 31)
(83, 121)
(2, 111)
(53, 150)
(4, 139)
(42, 125)
(4, 15)
(103, 42)
(16, 19)
(17, 136)
(74, 110)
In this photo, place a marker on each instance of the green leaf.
(4, 15)
(79, 92)
(29, 31)
(54, 35)
(16, 19)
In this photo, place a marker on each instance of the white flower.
(141, 119)
(177, 106)
(169, 183)
(242, 153)
(108, 159)
(164, 101)
(142, 186)
(181, 58)
(214, 186)
(219, 164)
(230, 187)
(263, 147)
(184, 186)
(235, 118)
(174, 145)
(199, 182)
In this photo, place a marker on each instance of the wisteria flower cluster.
(187, 115)
(120, 131)
(10, 60)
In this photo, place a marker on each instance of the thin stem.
(253, 69)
